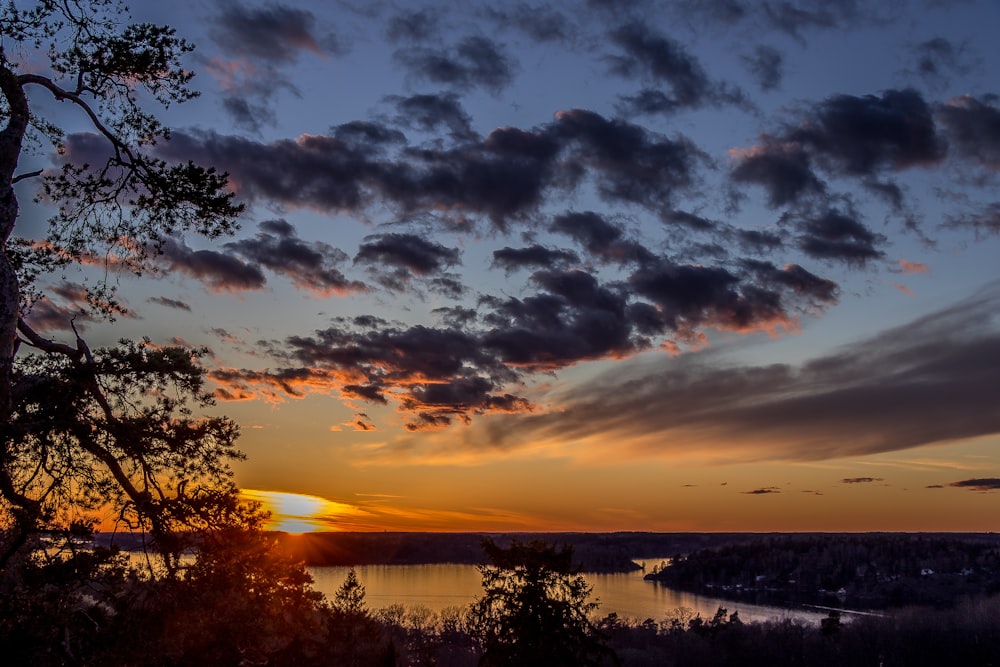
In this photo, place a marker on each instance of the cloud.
(169, 303)
(504, 177)
(767, 66)
(986, 220)
(844, 135)
(762, 491)
(920, 383)
(572, 318)
(937, 59)
(219, 272)
(973, 129)
(981, 484)
(661, 60)
(429, 112)
(837, 235)
(534, 256)
(541, 23)
(274, 33)
(861, 480)
(906, 266)
(310, 266)
(602, 239)
(475, 62)
(414, 26)
(783, 169)
(393, 258)
(47, 314)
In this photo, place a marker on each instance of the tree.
(535, 609)
(114, 427)
(350, 597)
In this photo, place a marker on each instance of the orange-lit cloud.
(913, 267)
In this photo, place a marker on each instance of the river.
(449, 585)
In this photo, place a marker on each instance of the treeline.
(873, 571)
(595, 552)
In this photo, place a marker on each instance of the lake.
(450, 585)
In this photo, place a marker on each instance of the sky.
(712, 265)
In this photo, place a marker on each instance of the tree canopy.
(111, 428)
(535, 608)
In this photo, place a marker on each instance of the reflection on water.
(440, 586)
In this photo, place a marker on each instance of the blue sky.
(592, 265)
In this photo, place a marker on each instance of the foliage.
(872, 570)
(122, 435)
(350, 597)
(535, 608)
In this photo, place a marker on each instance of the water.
(449, 585)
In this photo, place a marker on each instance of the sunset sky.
(699, 265)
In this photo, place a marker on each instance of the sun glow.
(300, 513)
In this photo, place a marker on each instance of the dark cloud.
(981, 484)
(861, 135)
(973, 129)
(475, 62)
(247, 114)
(928, 381)
(534, 256)
(690, 221)
(413, 26)
(844, 135)
(541, 23)
(602, 239)
(784, 170)
(659, 59)
(861, 480)
(274, 32)
(839, 236)
(407, 252)
(310, 266)
(429, 112)
(985, 220)
(572, 318)
(503, 177)
(436, 374)
(219, 272)
(767, 66)
(62, 314)
(758, 241)
(762, 491)
(629, 163)
(691, 297)
(169, 303)
(796, 17)
(937, 59)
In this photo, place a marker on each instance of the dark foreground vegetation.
(241, 602)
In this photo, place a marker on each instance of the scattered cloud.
(861, 480)
(170, 303)
(979, 484)
(474, 62)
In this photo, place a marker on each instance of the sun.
(300, 513)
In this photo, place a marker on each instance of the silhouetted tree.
(83, 429)
(535, 609)
(350, 597)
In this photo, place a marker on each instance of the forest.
(861, 571)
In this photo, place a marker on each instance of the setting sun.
(300, 513)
